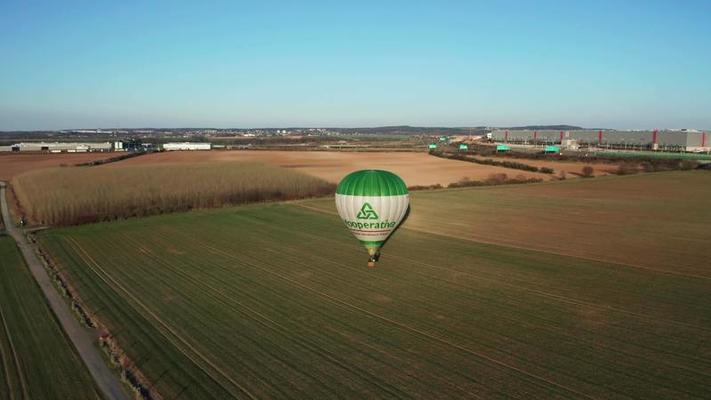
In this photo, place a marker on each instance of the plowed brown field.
(414, 168)
(15, 164)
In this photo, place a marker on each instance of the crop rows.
(66, 196)
(36, 360)
(275, 302)
(658, 222)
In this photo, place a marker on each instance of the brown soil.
(12, 164)
(414, 168)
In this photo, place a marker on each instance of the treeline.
(67, 196)
(631, 167)
(121, 157)
(496, 163)
(491, 180)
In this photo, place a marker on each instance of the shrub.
(516, 165)
(546, 170)
(626, 169)
(648, 167)
(588, 171)
(424, 187)
(496, 179)
(489, 161)
(460, 184)
(686, 165)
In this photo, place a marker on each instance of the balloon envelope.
(372, 203)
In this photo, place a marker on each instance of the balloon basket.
(372, 260)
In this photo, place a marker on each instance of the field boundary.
(132, 376)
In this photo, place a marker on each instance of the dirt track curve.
(84, 339)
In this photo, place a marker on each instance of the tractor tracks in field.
(558, 297)
(16, 360)
(240, 307)
(551, 328)
(518, 247)
(509, 338)
(178, 341)
(532, 378)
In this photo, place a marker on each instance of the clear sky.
(620, 64)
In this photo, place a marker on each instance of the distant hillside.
(545, 128)
(414, 130)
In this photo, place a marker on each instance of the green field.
(656, 221)
(275, 301)
(37, 360)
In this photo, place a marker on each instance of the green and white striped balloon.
(372, 203)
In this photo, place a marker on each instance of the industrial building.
(690, 141)
(58, 147)
(186, 146)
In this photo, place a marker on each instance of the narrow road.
(84, 339)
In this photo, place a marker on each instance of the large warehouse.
(692, 141)
(186, 146)
(58, 147)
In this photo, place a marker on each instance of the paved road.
(84, 339)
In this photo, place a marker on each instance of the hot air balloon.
(372, 203)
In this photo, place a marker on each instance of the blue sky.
(621, 64)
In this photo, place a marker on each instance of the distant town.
(557, 137)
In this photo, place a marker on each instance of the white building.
(186, 146)
(58, 147)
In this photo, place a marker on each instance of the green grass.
(275, 301)
(37, 360)
(658, 221)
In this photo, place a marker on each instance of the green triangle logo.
(367, 212)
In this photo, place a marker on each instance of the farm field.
(65, 196)
(36, 360)
(275, 301)
(12, 165)
(414, 168)
(657, 220)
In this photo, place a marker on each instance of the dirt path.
(84, 339)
